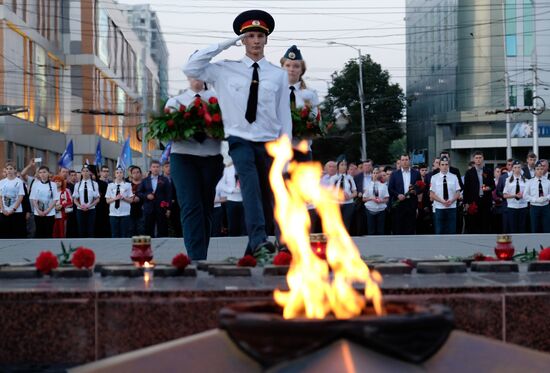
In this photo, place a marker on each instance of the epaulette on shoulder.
(235, 61)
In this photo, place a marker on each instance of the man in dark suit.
(479, 184)
(156, 193)
(362, 180)
(403, 194)
(529, 168)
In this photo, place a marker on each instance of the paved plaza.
(424, 247)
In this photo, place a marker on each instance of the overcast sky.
(377, 28)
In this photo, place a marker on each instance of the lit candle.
(147, 274)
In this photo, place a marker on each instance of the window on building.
(510, 28)
(513, 99)
(528, 27)
(528, 95)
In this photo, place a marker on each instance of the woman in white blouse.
(376, 196)
(344, 184)
(517, 204)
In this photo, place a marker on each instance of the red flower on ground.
(479, 257)
(247, 261)
(83, 258)
(283, 258)
(46, 261)
(216, 118)
(181, 261)
(164, 204)
(182, 108)
(187, 115)
(213, 100)
(544, 254)
(490, 259)
(170, 123)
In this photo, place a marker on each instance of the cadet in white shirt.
(12, 218)
(86, 197)
(342, 182)
(516, 202)
(537, 193)
(254, 100)
(119, 197)
(196, 167)
(299, 94)
(444, 192)
(43, 198)
(231, 188)
(376, 197)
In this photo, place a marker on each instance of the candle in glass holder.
(318, 243)
(504, 250)
(147, 274)
(141, 250)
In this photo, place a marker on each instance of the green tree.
(384, 104)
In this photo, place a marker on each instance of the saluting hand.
(229, 43)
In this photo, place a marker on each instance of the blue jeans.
(252, 164)
(540, 219)
(195, 180)
(86, 223)
(376, 222)
(445, 221)
(120, 226)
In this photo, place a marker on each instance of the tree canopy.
(384, 104)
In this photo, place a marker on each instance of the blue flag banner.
(125, 159)
(98, 156)
(67, 157)
(166, 153)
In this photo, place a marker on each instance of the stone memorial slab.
(393, 268)
(71, 272)
(171, 271)
(502, 266)
(125, 271)
(539, 266)
(229, 271)
(273, 270)
(19, 272)
(440, 267)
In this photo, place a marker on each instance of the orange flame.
(313, 293)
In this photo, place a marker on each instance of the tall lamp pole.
(361, 98)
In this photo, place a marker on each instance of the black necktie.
(117, 202)
(197, 95)
(292, 97)
(85, 192)
(252, 104)
(517, 187)
(541, 192)
(445, 188)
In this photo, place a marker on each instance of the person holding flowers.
(196, 166)
(304, 103)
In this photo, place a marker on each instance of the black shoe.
(281, 246)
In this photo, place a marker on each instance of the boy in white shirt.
(119, 196)
(44, 197)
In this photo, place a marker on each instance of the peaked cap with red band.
(254, 20)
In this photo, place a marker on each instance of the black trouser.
(44, 226)
(236, 225)
(479, 223)
(86, 223)
(404, 216)
(13, 226)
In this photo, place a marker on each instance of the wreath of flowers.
(199, 120)
(305, 123)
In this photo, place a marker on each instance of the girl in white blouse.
(344, 185)
(376, 197)
(517, 204)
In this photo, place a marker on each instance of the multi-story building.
(467, 60)
(146, 25)
(77, 67)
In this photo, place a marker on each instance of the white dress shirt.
(348, 185)
(437, 187)
(126, 191)
(231, 80)
(510, 188)
(406, 179)
(44, 194)
(93, 192)
(209, 146)
(382, 193)
(10, 191)
(531, 193)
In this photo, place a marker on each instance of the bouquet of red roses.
(199, 120)
(305, 122)
(420, 185)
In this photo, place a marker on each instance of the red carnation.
(164, 204)
(201, 112)
(182, 108)
(283, 258)
(197, 102)
(181, 261)
(544, 254)
(46, 261)
(187, 115)
(420, 184)
(216, 118)
(247, 261)
(213, 100)
(472, 209)
(490, 259)
(167, 110)
(479, 257)
(83, 258)
(170, 123)
(207, 119)
(304, 113)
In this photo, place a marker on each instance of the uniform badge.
(291, 55)
(256, 22)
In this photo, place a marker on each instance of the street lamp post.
(361, 99)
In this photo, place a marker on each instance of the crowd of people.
(196, 196)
